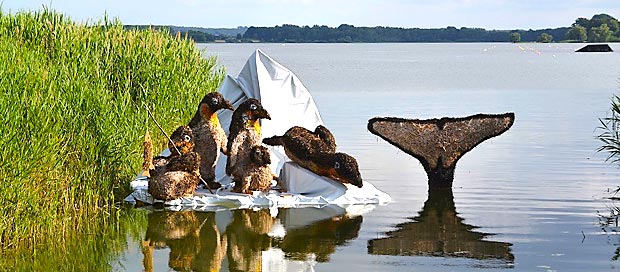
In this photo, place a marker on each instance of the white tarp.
(290, 104)
(281, 93)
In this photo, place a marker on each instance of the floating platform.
(304, 189)
(596, 48)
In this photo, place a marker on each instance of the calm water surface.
(528, 200)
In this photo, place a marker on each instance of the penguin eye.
(337, 165)
(214, 101)
(253, 107)
(187, 138)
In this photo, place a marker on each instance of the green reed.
(72, 118)
(610, 132)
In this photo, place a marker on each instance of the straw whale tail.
(439, 143)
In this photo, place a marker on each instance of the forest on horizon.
(599, 28)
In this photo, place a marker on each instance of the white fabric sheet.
(281, 93)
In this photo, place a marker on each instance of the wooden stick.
(175, 147)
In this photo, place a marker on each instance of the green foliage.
(601, 33)
(577, 33)
(198, 34)
(600, 28)
(583, 22)
(348, 33)
(544, 38)
(199, 37)
(604, 19)
(610, 132)
(515, 37)
(72, 116)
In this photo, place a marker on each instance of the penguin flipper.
(274, 141)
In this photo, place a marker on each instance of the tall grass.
(72, 117)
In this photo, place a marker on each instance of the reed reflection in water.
(439, 231)
(248, 240)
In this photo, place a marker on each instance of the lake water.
(530, 199)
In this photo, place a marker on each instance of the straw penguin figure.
(177, 175)
(259, 176)
(245, 133)
(316, 151)
(209, 136)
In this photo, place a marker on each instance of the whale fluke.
(439, 143)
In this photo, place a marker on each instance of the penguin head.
(183, 140)
(344, 169)
(211, 103)
(260, 155)
(252, 110)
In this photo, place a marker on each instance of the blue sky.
(496, 14)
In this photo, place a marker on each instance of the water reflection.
(320, 238)
(184, 234)
(247, 240)
(609, 222)
(439, 231)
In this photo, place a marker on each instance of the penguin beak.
(262, 113)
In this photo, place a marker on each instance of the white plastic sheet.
(281, 93)
(290, 104)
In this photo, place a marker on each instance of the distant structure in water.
(596, 48)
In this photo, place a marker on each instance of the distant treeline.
(198, 34)
(348, 33)
(600, 28)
